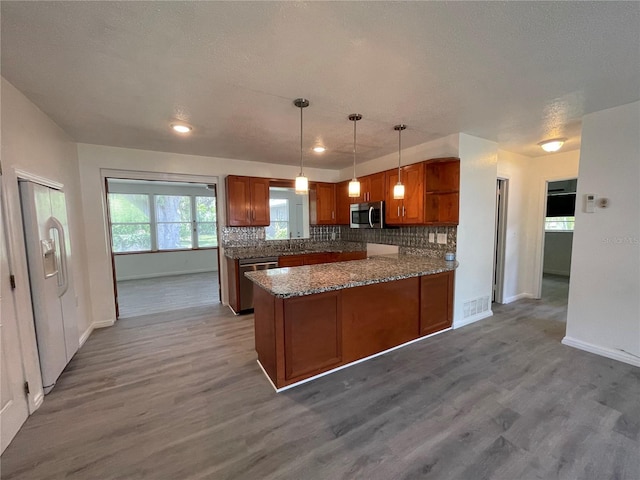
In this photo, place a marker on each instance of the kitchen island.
(314, 319)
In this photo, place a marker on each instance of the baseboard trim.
(103, 324)
(470, 320)
(165, 274)
(515, 298)
(562, 273)
(342, 367)
(38, 399)
(619, 355)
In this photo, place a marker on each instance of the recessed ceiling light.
(181, 127)
(319, 149)
(552, 145)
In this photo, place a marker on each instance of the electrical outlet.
(333, 235)
(432, 237)
(442, 238)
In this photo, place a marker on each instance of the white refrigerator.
(53, 297)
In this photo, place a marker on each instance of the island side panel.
(312, 335)
(436, 302)
(265, 330)
(378, 317)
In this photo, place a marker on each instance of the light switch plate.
(432, 237)
(442, 238)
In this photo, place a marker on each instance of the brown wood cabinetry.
(365, 331)
(372, 188)
(410, 210)
(436, 302)
(321, 257)
(247, 201)
(299, 337)
(343, 204)
(442, 191)
(312, 335)
(322, 203)
(233, 283)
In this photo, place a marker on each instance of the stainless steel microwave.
(367, 215)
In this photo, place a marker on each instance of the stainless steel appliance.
(246, 285)
(367, 215)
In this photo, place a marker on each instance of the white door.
(14, 408)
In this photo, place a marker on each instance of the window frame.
(149, 223)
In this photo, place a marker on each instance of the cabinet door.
(316, 258)
(291, 261)
(393, 208)
(347, 256)
(343, 204)
(436, 302)
(260, 213)
(413, 179)
(238, 201)
(233, 283)
(312, 334)
(376, 187)
(325, 203)
(442, 176)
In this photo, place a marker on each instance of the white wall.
(31, 142)
(95, 159)
(528, 177)
(557, 253)
(474, 276)
(604, 309)
(134, 266)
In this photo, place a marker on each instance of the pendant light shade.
(302, 182)
(354, 184)
(398, 188)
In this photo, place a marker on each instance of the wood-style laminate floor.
(180, 396)
(162, 294)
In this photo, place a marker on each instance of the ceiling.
(118, 73)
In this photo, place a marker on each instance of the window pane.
(205, 209)
(172, 236)
(129, 207)
(565, 224)
(207, 236)
(173, 208)
(131, 238)
(279, 227)
(277, 230)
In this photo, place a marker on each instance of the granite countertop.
(280, 249)
(307, 280)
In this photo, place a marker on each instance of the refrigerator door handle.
(63, 283)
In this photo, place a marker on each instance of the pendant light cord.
(354, 148)
(399, 153)
(301, 141)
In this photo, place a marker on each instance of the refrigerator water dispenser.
(49, 257)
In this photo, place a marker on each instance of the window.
(559, 224)
(130, 222)
(144, 222)
(279, 226)
(173, 222)
(206, 227)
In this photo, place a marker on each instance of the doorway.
(559, 224)
(164, 245)
(499, 240)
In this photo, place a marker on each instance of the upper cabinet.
(247, 201)
(343, 203)
(372, 188)
(322, 203)
(410, 210)
(442, 191)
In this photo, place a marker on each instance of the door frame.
(542, 215)
(500, 239)
(106, 174)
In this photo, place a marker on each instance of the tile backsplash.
(411, 240)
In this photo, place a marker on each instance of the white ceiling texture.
(118, 73)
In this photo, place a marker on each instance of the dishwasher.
(246, 285)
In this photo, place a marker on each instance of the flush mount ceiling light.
(302, 182)
(181, 127)
(354, 184)
(552, 145)
(398, 188)
(319, 149)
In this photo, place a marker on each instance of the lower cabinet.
(322, 257)
(436, 302)
(312, 334)
(299, 337)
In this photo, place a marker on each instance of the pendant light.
(302, 182)
(354, 184)
(398, 188)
